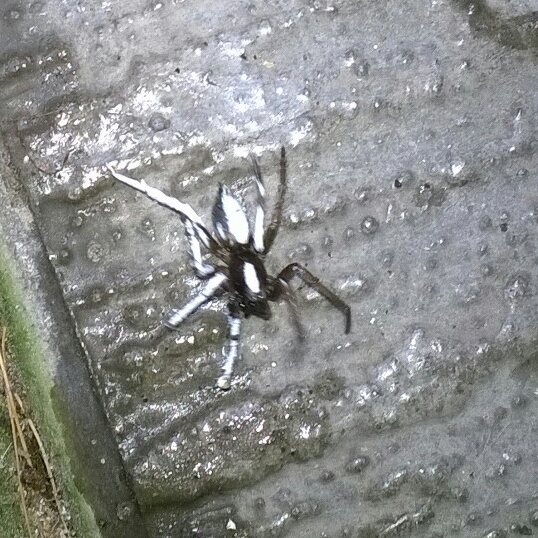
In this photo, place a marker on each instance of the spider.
(241, 274)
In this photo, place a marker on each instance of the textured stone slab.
(412, 159)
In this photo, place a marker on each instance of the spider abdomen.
(248, 280)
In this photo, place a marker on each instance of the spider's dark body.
(248, 280)
(241, 274)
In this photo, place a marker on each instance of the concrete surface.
(411, 135)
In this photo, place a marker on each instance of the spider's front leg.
(203, 270)
(195, 231)
(295, 269)
(233, 347)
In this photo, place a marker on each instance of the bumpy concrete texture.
(411, 136)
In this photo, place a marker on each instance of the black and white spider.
(242, 274)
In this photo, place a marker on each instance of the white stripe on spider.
(258, 229)
(251, 278)
(203, 270)
(236, 219)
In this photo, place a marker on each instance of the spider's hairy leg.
(185, 210)
(203, 270)
(279, 289)
(233, 348)
(295, 269)
(276, 217)
(260, 207)
(213, 286)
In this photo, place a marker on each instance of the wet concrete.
(92, 454)
(411, 136)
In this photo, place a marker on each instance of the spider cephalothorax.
(241, 273)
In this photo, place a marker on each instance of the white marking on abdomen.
(251, 278)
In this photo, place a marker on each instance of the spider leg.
(185, 210)
(260, 208)
(295, 269)
(280, 289)
(276, 217)
(232, 349)
(202, 270)
(177, 316)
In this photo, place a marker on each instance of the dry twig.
(18, 420)
(16, 432)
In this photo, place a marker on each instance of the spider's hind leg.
(260, 208)
(280, 289)
(295, 269)
(177, 316)
(232, 349)
(276, 217)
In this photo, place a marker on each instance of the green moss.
(32, 373)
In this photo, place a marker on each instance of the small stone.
(349, 233)
(461, 494)
(403, 179)
(519, 400)
(362, 195)
(516, 287)
(357, 464)
(361, 68)
(326, 476)
(369, 225)
(158, 122)
(148, 228)
(76, 221)
(387, 257)
(223, 383)
(94, 252)
(521, 529)
(64, 256)
(327, 243)
(265, 28)
(473, 519)
(116, 235)
(423, 194)
(499, 533)
(231, 526)
(124, 511)
(96, 295)
(14, 14)
(303, 251)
